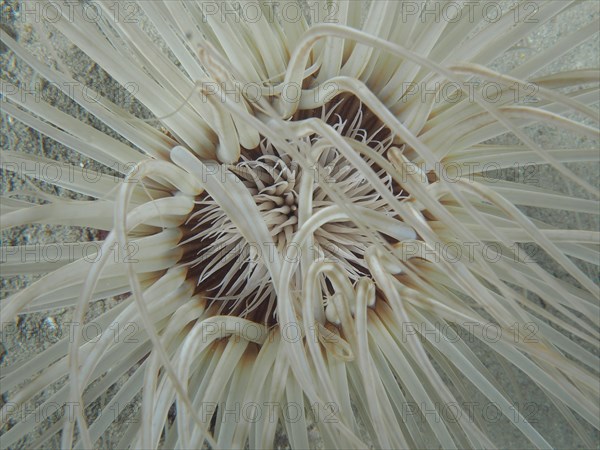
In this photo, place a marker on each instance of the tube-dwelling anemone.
(286, 236)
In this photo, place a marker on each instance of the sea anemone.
(287, 221)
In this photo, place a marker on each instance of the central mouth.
(232, 272)
(272, 181)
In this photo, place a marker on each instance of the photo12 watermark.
(209, 11)
(472, 11)
(88, 252)
(41, 91)
(117, 332)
